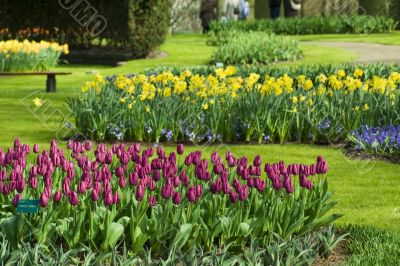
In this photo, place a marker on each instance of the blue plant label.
(28, 206)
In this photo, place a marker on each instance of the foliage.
(228, 107)
(124, 193)
(380, 140)
(135, 26)
(372, 246)
(301, 250)
(394, 9)
(256, 48)
(308, 25)
(22, 56)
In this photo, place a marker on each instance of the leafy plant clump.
(256, 48)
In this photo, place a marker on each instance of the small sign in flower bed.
(151, 200)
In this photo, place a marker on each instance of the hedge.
(310, 25)
(134, 26)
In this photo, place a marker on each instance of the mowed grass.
(381, 38)
(367, 191)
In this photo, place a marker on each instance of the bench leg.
(51, 83)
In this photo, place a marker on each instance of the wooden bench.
(51, 77)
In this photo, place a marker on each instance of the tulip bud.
(33, 182)
(57, 196)
(176, 198)
(140, 192)
(122, 182)
(81, 187)
(108, 198)
(15, 200)
(116, 198)
(152, 201)
(166, 191)
(36, 148)
(43, 200)
(180, 149)
(233, 196)
(94, 195)
(20, 185)
(88, 145)
(191, 194)
(257, 161)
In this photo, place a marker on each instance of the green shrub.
(395, 10)
(132, 26)
(310, 25)
(256, 48)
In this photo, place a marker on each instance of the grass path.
(365, 197)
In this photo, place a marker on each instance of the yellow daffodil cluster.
(225, 83)
(27, 47)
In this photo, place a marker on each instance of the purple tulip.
(94, 195)
(108, 198)
(33, 182)
(43, 200)
(73, 198)
(81, 187)
(116, 198)
(233, 197)
(15, 200)
(152, 201)
(176, 198)
(20, 185)
(88, 145)
(140, 192)
(191, 194)
(180, 149)
(36, 148)
(166, 191)
(257, 161)
(122, 182)
(57, 196)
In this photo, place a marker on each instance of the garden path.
(366, 52)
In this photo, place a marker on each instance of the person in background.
(275, 7)
(208, 13)
(244, 9)
(231, 10)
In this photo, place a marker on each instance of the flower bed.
(153, 200)
(256, 48)
(227, 107)
(380, 140)
(18, 56)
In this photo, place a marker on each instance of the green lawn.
(383, 38)
(365, 197)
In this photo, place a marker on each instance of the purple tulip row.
(57, 176)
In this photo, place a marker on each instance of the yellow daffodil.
(37, 102)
